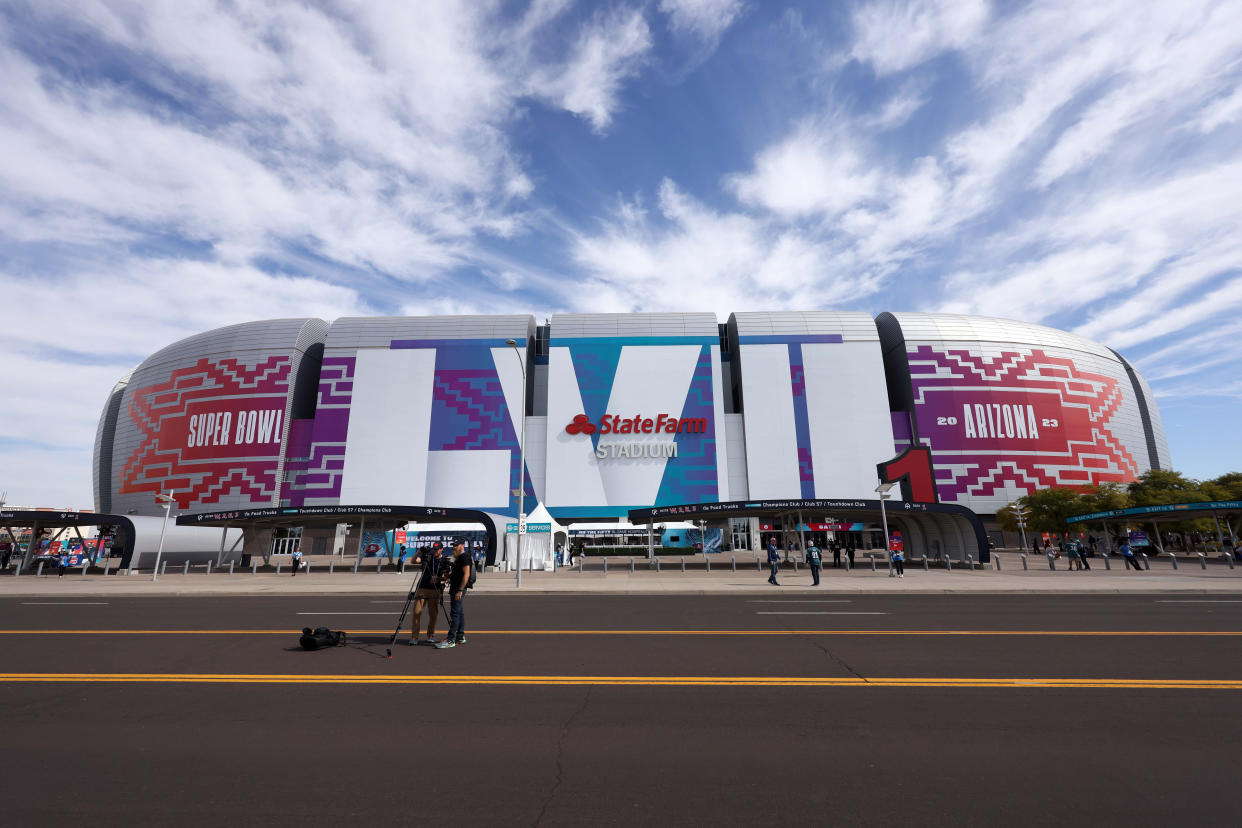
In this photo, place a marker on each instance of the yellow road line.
(632, 681)
(292, 630)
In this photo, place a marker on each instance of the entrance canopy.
(37, 520)
(927, 528)
(257, 524)
(1230, 510)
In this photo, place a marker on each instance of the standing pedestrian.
(774, 561)
(297, 561)
(814, 562)
(1075, 557)
(836, 554)
(62, 561)
(427, 592)
(849, 551)
(899, 560)
(459, 582)
(1128, 554)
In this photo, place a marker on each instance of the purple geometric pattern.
(315, 455)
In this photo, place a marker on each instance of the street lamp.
(883, 491)
(521, 522)
(1020, 516)
(167, 500)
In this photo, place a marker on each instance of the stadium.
(765, 422)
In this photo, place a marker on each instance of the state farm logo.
(638, 424)
(580, 425)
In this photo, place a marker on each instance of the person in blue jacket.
(774, 561)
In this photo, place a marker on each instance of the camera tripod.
(409, 599)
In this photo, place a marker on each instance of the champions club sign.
(637, 425)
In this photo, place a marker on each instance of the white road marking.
(808, 601)
(65, 603)
(330, 612)
(819, 613)
(1199, 602)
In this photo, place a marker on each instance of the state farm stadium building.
(624, 412)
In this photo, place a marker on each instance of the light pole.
(883, 491)
(167, 500)
(1020, 515)
(521, 522)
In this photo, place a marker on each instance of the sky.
(171, 167)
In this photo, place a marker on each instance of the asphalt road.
(572, 710)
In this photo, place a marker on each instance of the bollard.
(996, 560)
(733, 559)
(107, 566)
(683, 564)
(254, 568)
(278, 567)
(1229, 559)
(208, 568)
(331, 566)
(891, 573)
(40, 572)
(605, 564)
(1173, 558)
(186, 569)
(85, 567)
(657, 560)
(846, 560)
(631, 565)
(1146, 562)
(581, 558)
(379, 565)
(1023, 556)
(872, 557)
(970, 561)
(795, 563)
(231, 567)
(356, 563)
(1107, 564)
(758, 567)
(948, 564)
(1202, 561)
(925, 566)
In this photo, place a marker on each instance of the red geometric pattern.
(1072, 410)
(164, 409)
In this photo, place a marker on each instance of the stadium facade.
(623, 412)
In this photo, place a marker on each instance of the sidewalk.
(1189, 579)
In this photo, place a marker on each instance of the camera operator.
(459, 582)
(427, 593)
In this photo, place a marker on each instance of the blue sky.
(170, 167)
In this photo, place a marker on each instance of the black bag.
(474, 575)
(321, 637)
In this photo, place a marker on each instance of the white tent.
(538, 550)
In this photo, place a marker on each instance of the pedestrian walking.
(899, 563)
(1128, 554)
(814, 562)
(62, 562)
(836, 554)
(774, 561)
(297, 561)
(849, 552)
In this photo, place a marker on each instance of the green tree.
(1104, 498)
(1047, 509)
(1160, 487)
(1226, 487)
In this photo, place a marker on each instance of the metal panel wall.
(208, 417)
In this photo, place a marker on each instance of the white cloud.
(899, 34)
(705, 19)
(608, 51)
